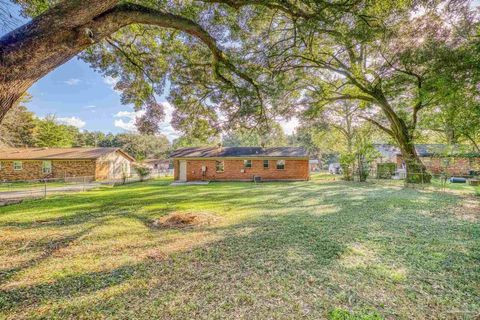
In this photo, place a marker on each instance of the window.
(17, 165)
(219, 166)
(265, 164)
(280, 164)
(247, 163)
(47, 167)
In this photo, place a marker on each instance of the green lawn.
(317, 249)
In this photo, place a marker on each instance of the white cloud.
(290, 125)
(112, 82)
(128, 126)
(72, 121)
(126, 121)
(72, 81)
(90, 107)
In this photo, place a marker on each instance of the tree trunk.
(416, 170)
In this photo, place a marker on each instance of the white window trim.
(284, 165)
(223, 166)
(15, 168)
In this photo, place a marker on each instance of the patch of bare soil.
(178, 220)
(469, 209)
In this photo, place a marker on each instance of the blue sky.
(79, 96)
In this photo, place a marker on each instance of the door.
(182, 175)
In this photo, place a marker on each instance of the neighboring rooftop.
(57, 153)
(427, 150)
(237, 152)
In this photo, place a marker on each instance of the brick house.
(240, 164)
(437, 158)
(40, 163)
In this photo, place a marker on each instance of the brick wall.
(294, 170)
(32, 169)
(452, 166)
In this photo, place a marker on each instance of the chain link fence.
(16, 191)
(423, 179)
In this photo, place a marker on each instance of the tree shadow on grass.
(270, 264)
(49, 249)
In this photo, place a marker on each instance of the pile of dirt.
(184, 220)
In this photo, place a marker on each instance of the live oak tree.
(145, 45)
(121, 35)
(275, 137)
(389, 56)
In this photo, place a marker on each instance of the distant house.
(240, 164)
(437, 158)
(157, 165)
(315, 165)
(39, 163)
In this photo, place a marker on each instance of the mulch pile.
(178, 220)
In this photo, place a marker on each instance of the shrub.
(346, 163)
(386, 170)
(142, 172)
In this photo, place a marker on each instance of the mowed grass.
(309, 250)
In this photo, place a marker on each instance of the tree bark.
(51, 39)
(416, 170)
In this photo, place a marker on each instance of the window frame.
(44, 167)
(284, 164)
(217, 162)
(266, 162)
(245, 164)
(15, 168)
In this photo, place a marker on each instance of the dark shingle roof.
(57, 153)
(227, 152)
(427, 150)
(387, 150)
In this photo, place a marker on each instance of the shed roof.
(232, 152)
(57, 153)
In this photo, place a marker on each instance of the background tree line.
(22, 128)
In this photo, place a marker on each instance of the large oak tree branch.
(49, 40)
